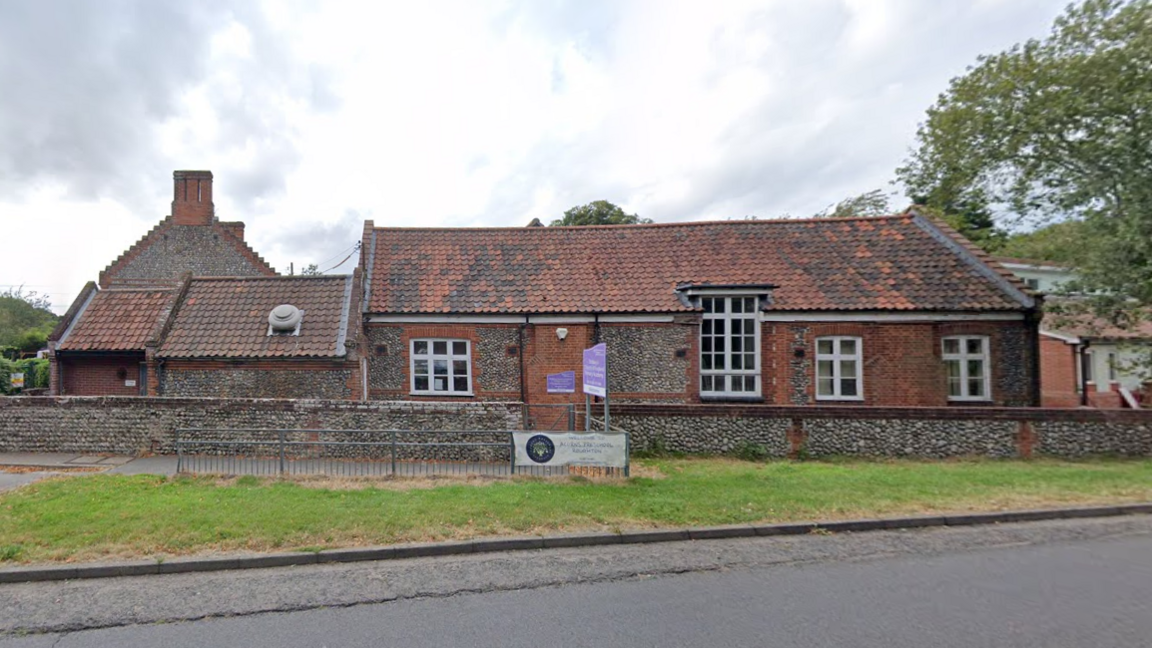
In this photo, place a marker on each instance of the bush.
(752, 452)
(36, 372)
(655, 448)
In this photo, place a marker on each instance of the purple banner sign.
(596, 370)
(562, 383)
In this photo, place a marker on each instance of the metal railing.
(359, 453)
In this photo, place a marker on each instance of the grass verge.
(106, 516)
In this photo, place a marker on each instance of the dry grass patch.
(23, 470)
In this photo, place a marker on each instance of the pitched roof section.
(228, 318)
(902, 262)
(169, 250)
(116, 320)
(1081, 326)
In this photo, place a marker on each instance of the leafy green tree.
(25, 321)
(600, 212)
(310, 270)
(872, 203)
(1053, 129)
(1059, 242)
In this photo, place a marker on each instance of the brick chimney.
(192, 198)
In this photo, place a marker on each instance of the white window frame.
(431, 357)
(1087, 366)
(985, 356)
(836, 357)
(1113, 359)
(723, 374)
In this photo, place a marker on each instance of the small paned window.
(729, 347)
(966, 364)
(441, 367)
(1113, 374)
(838, 368)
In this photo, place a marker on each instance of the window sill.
(731, 399)
(970, 401)
(444, 394)
(839, 399)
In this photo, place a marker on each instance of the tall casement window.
(729, 347)
(441, 367)
(838, 368)
(966, 363)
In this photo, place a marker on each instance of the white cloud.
(314, 116)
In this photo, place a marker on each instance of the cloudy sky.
(316, 116)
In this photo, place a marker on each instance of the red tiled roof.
(1083, 325)
(116, 320)
(228, 318)
(901, 262)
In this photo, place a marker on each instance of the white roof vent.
(285, 320)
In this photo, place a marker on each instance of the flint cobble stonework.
(497, 371)
(705, 434)
(1013, 365)
(927, 432)
(127, 425)
(648, 359)
(1078, 439)
(188, 248)
(257, 383)
(935, 439)
(386, 368)
(121, 425)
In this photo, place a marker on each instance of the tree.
(872, 203)
(25, 321)
(1057, 129)
(310, 270)
(1059, 242)
(600, 212)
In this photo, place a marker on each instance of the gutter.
(1084, 369)
(523, 379)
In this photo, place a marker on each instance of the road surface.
(1062, 583)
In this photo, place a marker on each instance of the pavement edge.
(489, 545)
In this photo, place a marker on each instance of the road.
(1062, 583)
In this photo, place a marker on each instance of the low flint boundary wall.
(929, 432)
(132, 425)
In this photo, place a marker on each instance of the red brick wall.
(1059, 373)
(902, 364)
(102, 376)
(545, 353)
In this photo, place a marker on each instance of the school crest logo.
(540, 449)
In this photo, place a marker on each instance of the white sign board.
(17, 380)
(571, 449)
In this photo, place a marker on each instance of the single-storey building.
(191, 310)
(890, 311)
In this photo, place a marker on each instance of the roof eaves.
(963, 249)
(79, 313)
(368, 267)
(78, 305)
